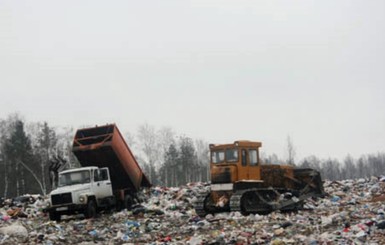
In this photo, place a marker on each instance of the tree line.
(28, 155)
(350, 168)
(169, 159)
(32, 153)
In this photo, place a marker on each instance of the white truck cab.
(81, 190)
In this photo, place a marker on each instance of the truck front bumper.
(66, 209)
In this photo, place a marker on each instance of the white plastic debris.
(15, 231)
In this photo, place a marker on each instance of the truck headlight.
(82, 199)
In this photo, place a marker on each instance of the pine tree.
(20, 162)
(46, 149)
(168, 171)
(187, 164)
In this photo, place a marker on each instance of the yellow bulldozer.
(240, 182)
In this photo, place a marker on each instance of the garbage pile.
(353, 212)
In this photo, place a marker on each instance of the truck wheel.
(54, 216)
(119, 206)
(128, 202)
(90, 211)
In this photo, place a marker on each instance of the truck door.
(102, 183)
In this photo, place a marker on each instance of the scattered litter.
(353, 212)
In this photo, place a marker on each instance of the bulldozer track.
(200, 205)
(235, 201)
(257, 200)
(264, 201)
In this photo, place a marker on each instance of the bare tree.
(290, 151)
(202, 158)
(130, 139)
(311, 162)
(362, 164)
(57, 164)
(148, 143)
(45, 147)
(5, 176)
(271, 159)
(64, 146)
(166, 137)
(42, 187)
(349, 169)
(331, 169)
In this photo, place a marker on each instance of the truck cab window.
(103, 174)
(253, 157)
(73, 178)
(96, 176)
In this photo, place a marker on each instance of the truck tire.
(90, 211)
(128, 202)
(54, 216)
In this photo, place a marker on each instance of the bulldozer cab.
(235, 162)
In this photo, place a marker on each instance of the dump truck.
(110, 177)
(240, 182)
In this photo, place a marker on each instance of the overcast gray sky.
(216, 70)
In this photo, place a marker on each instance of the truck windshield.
(74, 178)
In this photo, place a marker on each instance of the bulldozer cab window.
(217, 156)
(244, 158)
(253, 155)
(231, 155)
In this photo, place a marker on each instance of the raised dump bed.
(104, 146)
